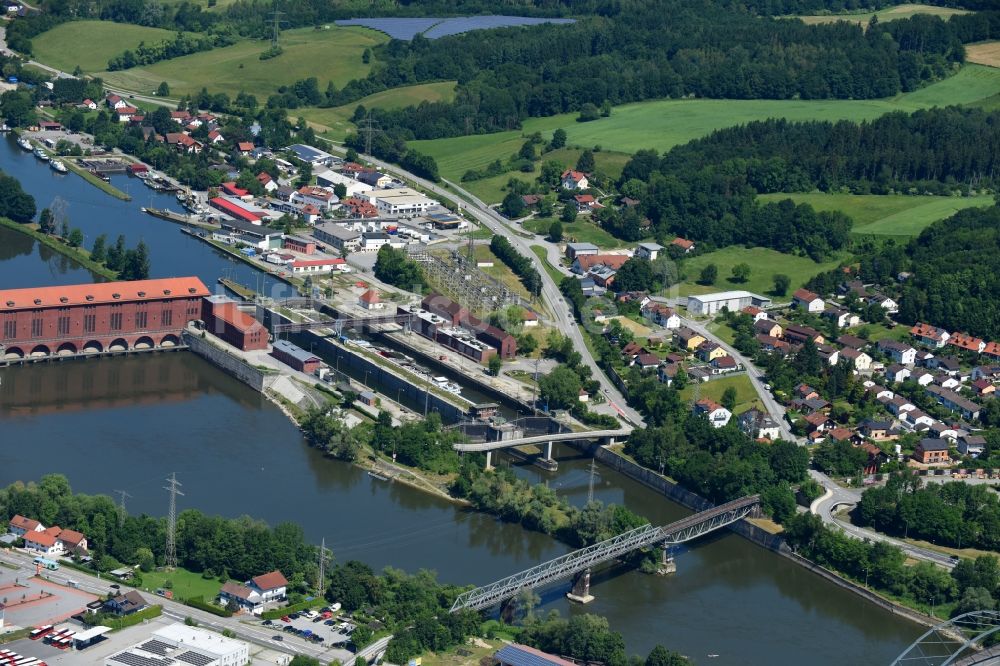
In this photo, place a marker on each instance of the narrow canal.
(128, 423)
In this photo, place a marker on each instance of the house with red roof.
(270, 586)
(308, 266)
(125, 113)
(115, 102)
(19, 525)
(807, 300)
(967, 342)
(992, 350)
(574, 180)
(683, 244)
(45, 543)
(586, 203)
(716, 414)
(89, 104)
(180, 117)
(245, 147)
(72, 541)
(268, 183)
(370, 300)
(932, 336)
(215, 136)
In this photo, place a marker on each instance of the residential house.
(45, 543)
(71, 541)
(271, 586)
(839, 434)
(932, 452)
(879, 431)
(946, 364)
(648, 251)
(359, 209)
(574, 180)
(810, 405)
(374, 178)
(930, 336)
(586, 203)
(115, 102)
(943, 431)
(587, 264)
(716, 414)
(215, 137)
(807, 300)
(985, 372)
(898, 351)
(955, 402)
(247, 600)
(992, 350)
(758, 424)
(843, 318)
(574, 250)
(709, 351)
(915, 418)
(321, 198)
(661, 314)
(667, 372)
(967, 342)
(19, 525)
(820, 422)
(724, 364)
(756, 313)
(897, 373)
(245, 147)
(806, 392)
(799, 334)
(876, 457)
(126, 113)
(897, 405)
(925, 358)
(827, 354)
(983, 388)
(769, 343)
(768, 327)
(861, 361)
(125, 604)
(852, 341)
(684, 245)
(89, 104)
(646, 361)
(269, 184)
(687, 338)
(884, 302)
(972, 445)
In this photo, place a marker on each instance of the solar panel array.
(133, 659)
(195, 658)
(156, 647)
(434, 28)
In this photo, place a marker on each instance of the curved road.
(837, 496)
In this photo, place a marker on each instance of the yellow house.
(709, 351)
(688, 338)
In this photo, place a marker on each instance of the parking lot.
(31, 601)
(332, 630)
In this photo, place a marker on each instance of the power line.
(122, 513)
(274, 35)
(324, 553)
(590, 485)
(171, 554)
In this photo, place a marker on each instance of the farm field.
(90, 44)
(663, 124)
(583, 230)
(984, 53)
(886, 215)
(239, 67)
(334, 123)
(889, 14)
(764, 264)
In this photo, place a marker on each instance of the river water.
(128, 423)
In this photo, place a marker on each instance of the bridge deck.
(584, 558)
(541, 439)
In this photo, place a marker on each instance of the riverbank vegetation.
(77, 254)
(971, 585)
(950, 514)
(15, 203)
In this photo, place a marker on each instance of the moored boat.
(24, 143)
(41, 154)
(58, 166)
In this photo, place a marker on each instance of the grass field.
(581, 231)
(984, 53)
(332, 54)
(663, 124)
(764, 264)
(746, 397)
(90, 44)
(186, 584)
(500, 271)
(886, 215)
(889, 14)
(335, 122)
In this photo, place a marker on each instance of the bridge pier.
(581, 588)
(489, 460)
(548, 451)
(667, 564)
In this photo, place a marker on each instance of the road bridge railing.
(583, 559)
(542, 439)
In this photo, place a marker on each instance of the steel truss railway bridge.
(956, 642)
(579, 562)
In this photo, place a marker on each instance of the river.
(128, 423)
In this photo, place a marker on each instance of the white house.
(44, 543)
(332, 178)
(116, 102)
(648, 251)
(897, 351)
(312, 266)
(246, 599)
(370, 300)
(861, 361)
(271, 586)
(574, 180)
(808, 301)
(660, 314)
(884, 302)
(321, 198)
(716, 414)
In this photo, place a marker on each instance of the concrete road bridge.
(579, 562)
(604, 436)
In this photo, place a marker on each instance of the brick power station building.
(95, 318)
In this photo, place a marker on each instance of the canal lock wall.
(231, 365)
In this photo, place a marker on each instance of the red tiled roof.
(229, 313)
(584, 198)
(71, 537)
(245, 146)
(804, 295)
(576, 176)
(370, 296)
(23, 523)
(102, 292)
(45, 539)
(922, 330)
(682, 243)
(270, 581)
(613, 261)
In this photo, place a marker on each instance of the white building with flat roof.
(399, 202)
(734, 301)
(354, 187)
(181, 644)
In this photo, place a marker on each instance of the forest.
(953, 268)
(937, 150)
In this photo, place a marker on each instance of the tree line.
(181, 45)
(518, 263)
(15, 203)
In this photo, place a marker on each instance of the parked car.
(277, 637)
(285, 618)
(268, 623)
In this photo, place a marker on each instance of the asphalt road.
(252, 632)
(837, 496)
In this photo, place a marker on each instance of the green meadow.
(90, 44)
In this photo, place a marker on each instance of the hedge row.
(201, 604)
(294, 608)
(147, 613)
